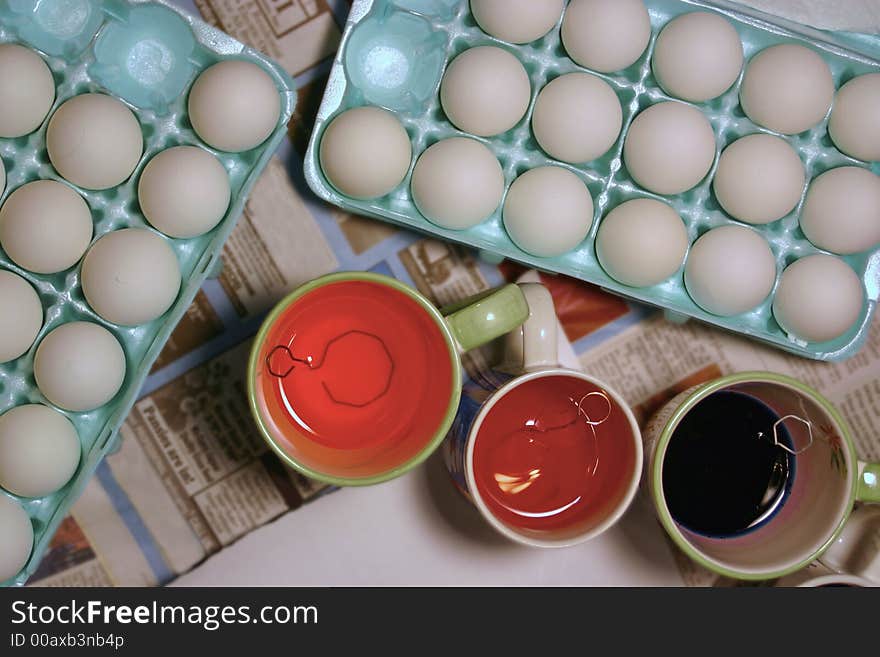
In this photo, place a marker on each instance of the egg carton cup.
(394, 52)
(147, 54)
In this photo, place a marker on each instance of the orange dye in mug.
(555, 452)
(356, 377)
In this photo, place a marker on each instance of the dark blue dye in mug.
(722, 473)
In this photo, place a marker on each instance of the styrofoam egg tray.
(147, 54)
(394, 53)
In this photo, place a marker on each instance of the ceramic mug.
(838, 581)
(817, 575)
(828, 479)
(851, 560)
(354, 378)
(589, 420)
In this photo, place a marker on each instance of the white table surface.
(418, 530)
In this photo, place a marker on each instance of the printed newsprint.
(192, 474)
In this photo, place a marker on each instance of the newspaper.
(192, 474)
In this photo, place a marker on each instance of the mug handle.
(489, 317)
(869, 483)
(852, 551)
(533, 346)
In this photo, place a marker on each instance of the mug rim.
(611, 519)
(655, 478)
(454, 395)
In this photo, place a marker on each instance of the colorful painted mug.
(827, 480)
(354, 378)
(549, 456)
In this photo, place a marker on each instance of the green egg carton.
(147, 54)
(394, 52)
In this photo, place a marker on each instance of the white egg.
(606, 35)
(39, 450)
(457, 183)
(2, 176)
(234, 106)
(577, 118)
(94, 141)
(819, 298)
(79, 366)
(16, 538)
(842, 211)
(517, 21)
(27, 90)
(485, 91)
(130, 276)
(854, 126)
(642, 242)
(21, 316)
(365, 152)
(670, 148)
(548, 211)
(45, 226)
(759, 179)
(698, 56)
(787, 88)
(730, 270)
(184, 191)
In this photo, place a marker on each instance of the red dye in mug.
(553, 453)
(356, 378)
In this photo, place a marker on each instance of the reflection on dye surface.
(553, 452)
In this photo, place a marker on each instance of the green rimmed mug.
(355, 378)
(609, 471)
(828, 480)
